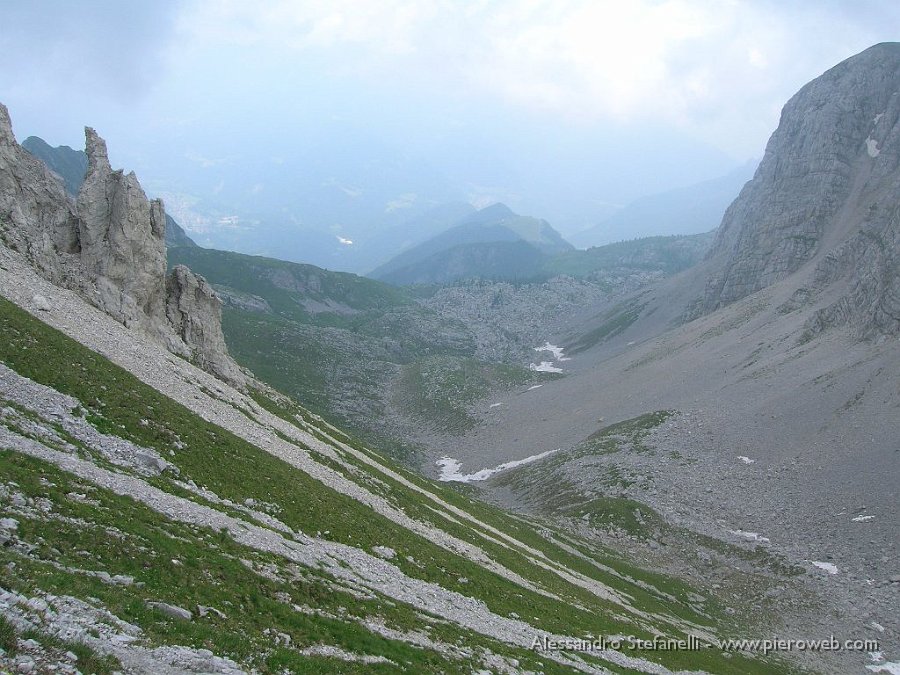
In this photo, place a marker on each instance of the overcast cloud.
(557, 106)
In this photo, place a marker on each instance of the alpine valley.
(496, 453)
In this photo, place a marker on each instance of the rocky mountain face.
(826, 200)
(72, 167)
(109, 245)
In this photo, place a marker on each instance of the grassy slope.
(346, 364)
(285, 285)
(210, 572)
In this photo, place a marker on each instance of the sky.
(563, 108)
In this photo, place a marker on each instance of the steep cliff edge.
(825, 199)
(109, 245)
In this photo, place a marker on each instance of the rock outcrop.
(122, 242)
(109, 245)
(72, 166)
(195, 313)
(36, 217)
(825, 195)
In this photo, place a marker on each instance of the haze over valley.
(457, 338)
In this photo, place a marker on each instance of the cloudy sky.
(613, 98)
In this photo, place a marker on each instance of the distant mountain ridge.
(690, 210)
(493, 242)
(72, 165)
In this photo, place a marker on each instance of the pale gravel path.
(343, 562)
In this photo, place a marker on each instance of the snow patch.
(877, 118)
(536, 386)
(750, 536)
(863, 519)
(450, 468)
(345, 241)
(495, 405)
(553, 349)
(545, 367)
(872, 147)
(548, 366)
(831, 568)
(891, 667)
(746, 460)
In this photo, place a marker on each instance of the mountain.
(162, 517)
(379, 359)
(491, 243)
(412, 231)
(752, 396)
(175, 234)
(690, 210)
(349, 347)
(659, 255)
(239, 533)
(499, 260)
(823, 205)
(72, 165)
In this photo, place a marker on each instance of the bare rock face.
(195, 312)
(36, 217)
(109, 246)
(826, 194)
(122, 242)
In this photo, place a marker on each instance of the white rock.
(385, 552)
(172, 611)
(40, 303)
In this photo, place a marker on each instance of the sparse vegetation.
(7, 635)
(613, 322)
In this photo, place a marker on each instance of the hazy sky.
(660, 92)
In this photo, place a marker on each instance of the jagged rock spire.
(95, 148)
(110, 247)
(6, 133)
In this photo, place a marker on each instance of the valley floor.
(765, 449)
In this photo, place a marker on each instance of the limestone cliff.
(825, 199)
(109, 245)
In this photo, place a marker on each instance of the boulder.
(172, 611)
